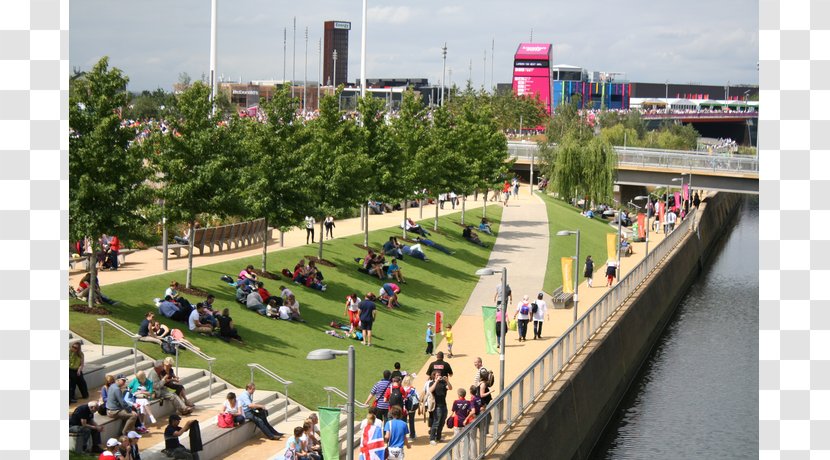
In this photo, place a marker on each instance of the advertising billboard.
(531, 71)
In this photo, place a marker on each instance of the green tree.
(197, 164)
(408, 134)
(272, 150)
(107, 187)
(335, 164)
(515, 112)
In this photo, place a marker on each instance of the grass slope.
(443, 283)
(562, 216)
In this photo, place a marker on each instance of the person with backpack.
(395, 431)
(411, 403)
(378, 393)
(394, 394)
(523, 312)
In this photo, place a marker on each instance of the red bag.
(225, 420)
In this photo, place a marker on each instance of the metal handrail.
(190, 347)
(342, 394)
(125, 331)
(274, 376)
(473, 441)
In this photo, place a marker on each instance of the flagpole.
(214, 84)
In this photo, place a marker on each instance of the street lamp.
(503, 332)
(444, 74)
(576, 267)
(334, 72)
(648, 206)
(326, 354)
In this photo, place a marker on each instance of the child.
(448, 335)
(611, 272)
(429, 339)
(394, 271)
(460, 410)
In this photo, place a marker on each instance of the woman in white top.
(234, 408)
(352, 312)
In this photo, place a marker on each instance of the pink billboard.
(531, 71)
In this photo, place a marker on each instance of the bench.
(222, 238)
(561, 299)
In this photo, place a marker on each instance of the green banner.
(490, 340)
(330, 431)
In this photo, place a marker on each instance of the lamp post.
(576, 267)
(163, 236)
(648, 225)
(667, 92)
(444, 72)
(503, 332)
(326, 354)
(363, 54)
(334, 71)
(214, 83)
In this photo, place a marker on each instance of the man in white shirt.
(309, 228)
(539, 316)
(671, 218)
(195, 325)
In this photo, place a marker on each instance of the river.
(696, 396)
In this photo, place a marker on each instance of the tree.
(335, 166)
(435, 161)
(408, 134)
(272, 149)
(197, 164)
(513, 112)
(106, 177)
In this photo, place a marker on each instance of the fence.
(474, 441)
(123, 330)
(274, 376)
(188, 346)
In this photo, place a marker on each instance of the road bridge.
(657, 167)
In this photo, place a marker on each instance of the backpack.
(524, 309)
(534, 308)
(411, 403)
(168, 346)
(489, 377)
(395, 397)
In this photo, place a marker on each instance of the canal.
(697, 394)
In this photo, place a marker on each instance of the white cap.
(112, 442)
(133, 435)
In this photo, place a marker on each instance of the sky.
(154, 41)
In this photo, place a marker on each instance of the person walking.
(76, 372)
(395, 434)
(539, 314)
(309, 228)
(329, 223)
(368, 311)
(522, 314)
(611, 272)
(439, 388)
(589, 271)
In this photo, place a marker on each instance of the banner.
(439, 321)
(677, 201)
(641, 225)
(662, 215)
(330, 431)
(611, 239)
(686, 192)
(490, 339)
(567, 275)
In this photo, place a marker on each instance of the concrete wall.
(574, 416)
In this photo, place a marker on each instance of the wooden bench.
(222, 238)
(561, 299)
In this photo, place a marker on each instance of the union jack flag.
(372, 446)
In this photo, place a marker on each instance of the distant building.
(336, 37)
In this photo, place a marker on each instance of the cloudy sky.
(153, 41)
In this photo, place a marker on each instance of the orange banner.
(567, 275)
(641, 226)
(612, 246)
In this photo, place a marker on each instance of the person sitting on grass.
(471, 236)
(195, 325)
(263, 293)
(247, 277)
(435, 245)
(145, 332)
(484, 226)
(242, 292)
(170, 309)
(83, 291)
(411, 226)
(294, 307)
(314, 278)
(393, 248)
(389, 295)
(394, 271)
(254, 302)
(159, 330)
(227, 331)
(373, 263)
(299, 273)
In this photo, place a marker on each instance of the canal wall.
(579, 405)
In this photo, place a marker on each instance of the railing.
(123, 330)
(274, 376)
(342, 394)
(660, 158)
(189, 346)
(474, 441)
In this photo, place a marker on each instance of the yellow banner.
(567, 275)
(611, 238)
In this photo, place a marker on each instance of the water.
(697, 395)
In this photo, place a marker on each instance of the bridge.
(698, 117)
(657, 168)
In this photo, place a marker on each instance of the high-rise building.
(336, 37)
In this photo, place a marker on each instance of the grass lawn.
(443, 283)
(562, 216)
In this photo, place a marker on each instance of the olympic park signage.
(343, 25)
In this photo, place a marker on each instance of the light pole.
(619, 240)
(667, 93)
(319, 71)
(214, 84)
(444, 72)
(334, 71)
(503, 332)
(648, 225)
(305, 73)
(294, 58)
(326, 354)
(163, 236)
(363, 54)
(576, 267)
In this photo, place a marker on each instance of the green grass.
(444, 283)
(562, 216)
